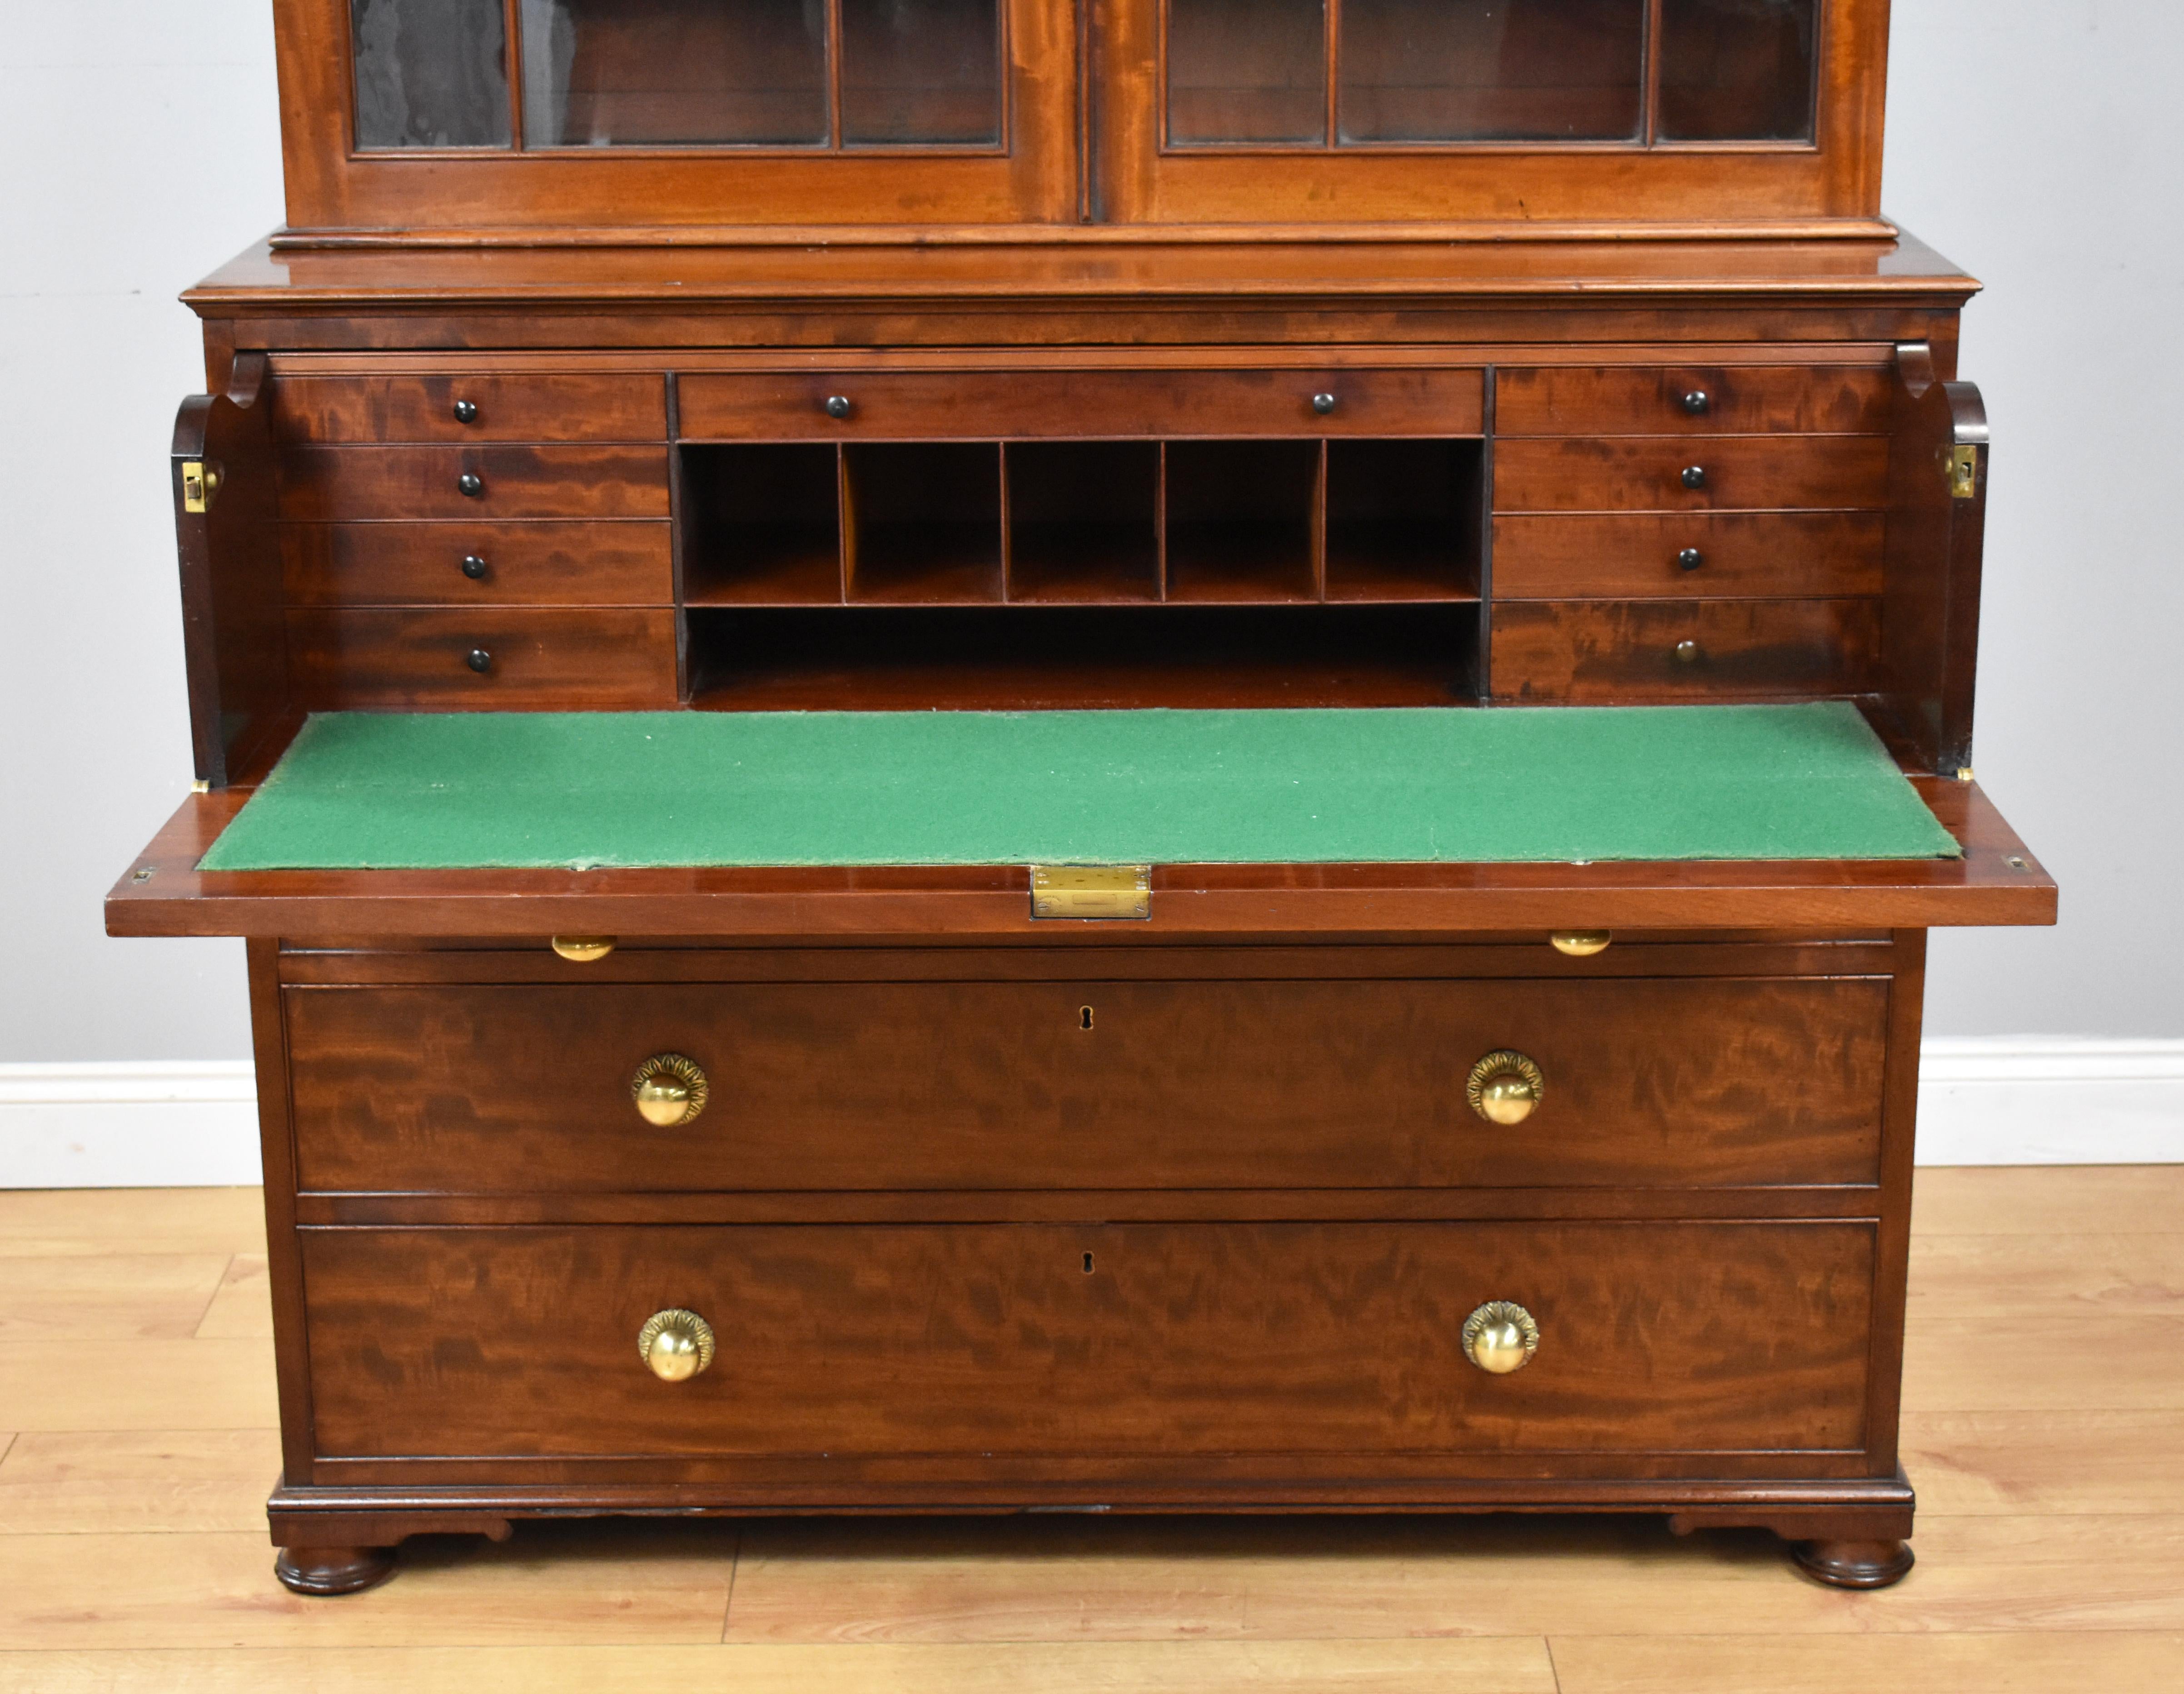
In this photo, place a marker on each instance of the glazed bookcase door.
(1580, 115)
(458, 118)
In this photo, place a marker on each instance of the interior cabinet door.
(1424, 113)
(456, 116)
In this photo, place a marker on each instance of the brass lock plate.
(1964, 472)
(1091, 890)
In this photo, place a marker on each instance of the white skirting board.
(1990, 1101)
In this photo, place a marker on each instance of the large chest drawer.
(1088, 1084)
(1155, 1340)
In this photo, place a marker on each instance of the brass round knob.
(1501, 1337)
(1689, 652)
(583, 950)
(676, 1345)
(1581, 944)
(669, 1090)
(1505, 1087)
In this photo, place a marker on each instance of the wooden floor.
(2044, 1429)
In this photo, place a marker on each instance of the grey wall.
(2034, 141)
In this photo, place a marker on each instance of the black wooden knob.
(473, 485)
(1690, 558)
(466, 411)
(480, 660)
(1695, 477)
(1697, 401)
(837, 405)
(1323, 404)
(474, 567)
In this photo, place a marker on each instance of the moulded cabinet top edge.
(261, 280)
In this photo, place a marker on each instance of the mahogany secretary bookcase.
(750, 357)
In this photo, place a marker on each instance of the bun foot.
(1852, 1564)
(333, 1570)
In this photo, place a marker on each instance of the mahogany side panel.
(1937, 530)
(229, 562)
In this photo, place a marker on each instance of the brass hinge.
(1091, 890)
(1964, 472)
(200, 482)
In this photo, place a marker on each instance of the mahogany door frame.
(337, 193)
(1828, 187)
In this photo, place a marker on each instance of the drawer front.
(1692, 399)
(984, 404)
(1641, 555)
(517, 563)
(989, 1340)
(1634, 650)
(327, 484)
(1646, 473)
(889, 1086)
(631, 407)
(536, 659)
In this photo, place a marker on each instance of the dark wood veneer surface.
(1179, 1339)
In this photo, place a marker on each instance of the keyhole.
(1083, 1018)
(1087, 1264)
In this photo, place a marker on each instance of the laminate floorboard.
(138, 1444)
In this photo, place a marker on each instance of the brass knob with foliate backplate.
(1505, 1087)
(676, 1345)
(669, 1090)
(1501, 1337)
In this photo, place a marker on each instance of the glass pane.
(1736, 70)
(430, 72)
(674, 73)
(1474, 70)
(1246, 70)
(920, 71)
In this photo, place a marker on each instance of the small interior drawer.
(1156, 1340)
(534, 658)
(332, 484)
(1692, 399)
(546, 407)
(534, 563)
(1090, 1084)
(1664, 473)
(1686, 555)
(1005, 405)
(1643, 650)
